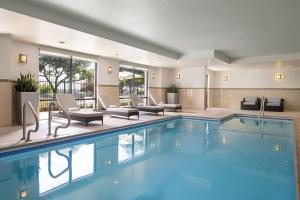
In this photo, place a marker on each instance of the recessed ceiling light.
(62, 42)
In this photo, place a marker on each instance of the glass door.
(132, 81)
(67, 74)
(83, 82)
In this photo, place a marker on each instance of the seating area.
(273, 104)
(166, 106)
(136, 103)
(250, 103)
(68, 103)
(109, 108)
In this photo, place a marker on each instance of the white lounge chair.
(68, 103)
(167, 106)
(135, 100)
(109, 108)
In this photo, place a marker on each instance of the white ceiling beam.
(222, 57)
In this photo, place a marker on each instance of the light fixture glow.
(278, 76)
(224, 141)
(23, 193)
(277, 147)
(152, 145)
(178, 76)
(154, 76)
(109, 69)
(177, 144)
(22, 58)
(225, 78)
(108, 162)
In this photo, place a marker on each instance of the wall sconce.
(22, 58)
(108, 162)
(277, 147)
(225, 78)
(178, 76)
(109, 69)
(278, 76)
(23, 193)
(154, 76)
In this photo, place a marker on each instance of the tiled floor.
(10, 136)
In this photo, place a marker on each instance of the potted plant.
(26, 90)
(172, 94)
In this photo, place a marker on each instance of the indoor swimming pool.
(239, 159)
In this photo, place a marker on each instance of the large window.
(66, 74)
(132, 81)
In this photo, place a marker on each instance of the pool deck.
(10, 136)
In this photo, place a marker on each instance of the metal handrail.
(37, 123)
(68, 168)
(262, 108)
(261, 114)
(51, 105)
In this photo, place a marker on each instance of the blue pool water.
(239, 159)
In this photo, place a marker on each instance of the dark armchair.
(250, 103)
(275, 104)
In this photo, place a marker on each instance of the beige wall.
(32, 65)
(257, 80)
(192, 99)
(191, 87)
(6, 89)
(5, 53)
(263, 77)
(231, 97)
(190, 77)
(158, 93)
(112, 91)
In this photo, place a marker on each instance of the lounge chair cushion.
(249, 103)
(73, 109)
(251, 99)
(123, 110)
(86, 113)
(151, 107)
(273, 104)
(112, 106)
(274, 99)
(169, 105)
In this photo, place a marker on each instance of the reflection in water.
(181, 159)
(60, 167)
(131, 145)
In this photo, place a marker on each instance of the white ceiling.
(240, 28)
(173, 29)
(32, 30)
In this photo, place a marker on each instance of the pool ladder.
(51, 105)
(37, 124)
(260, 117)
(262, 108)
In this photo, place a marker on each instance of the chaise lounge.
(68, 103)
(250, 103)
(275, 104)
(167, 106)
(135, 100)
(109, 108)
